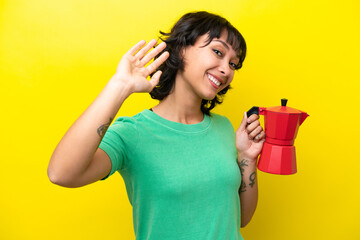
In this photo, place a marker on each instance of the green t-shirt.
(182, 180)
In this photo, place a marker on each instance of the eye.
(217, 52)
(233, 65)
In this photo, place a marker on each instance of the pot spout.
(303, 116)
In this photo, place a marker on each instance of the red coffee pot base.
(277, 159)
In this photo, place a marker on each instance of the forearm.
(248, 190)
(76, 149)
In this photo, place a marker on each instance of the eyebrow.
(223, 43)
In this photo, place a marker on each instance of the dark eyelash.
(233, 65)
(217, 52)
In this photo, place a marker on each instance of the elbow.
(247, 215)
(53, 177)
(57, 178)
(52, 172)
(245, 221)
(243, 225)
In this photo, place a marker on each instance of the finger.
(155, 64)
(136, 47)
(255, 132)
(140, 54)
(155, 79)
(252, 118)
(250, 127)
(260, 137)
(263, 137)
(243, 123)
(153, 53)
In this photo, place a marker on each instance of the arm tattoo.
(252, 179)
(242, 164)
(103, 128)
(243, 187)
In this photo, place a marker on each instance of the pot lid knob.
(284, 102)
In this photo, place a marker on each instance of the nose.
(224, 68)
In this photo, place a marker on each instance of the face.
(208, 69)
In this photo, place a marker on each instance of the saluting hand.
(250, 137)
(132, 71)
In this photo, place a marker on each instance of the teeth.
(214, 80)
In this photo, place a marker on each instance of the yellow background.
(56, 56)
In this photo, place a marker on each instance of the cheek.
(231, 78)
(192, 63)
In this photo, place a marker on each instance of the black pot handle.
(253, 110)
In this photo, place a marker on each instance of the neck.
(180, 106)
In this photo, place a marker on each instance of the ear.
(182, 52)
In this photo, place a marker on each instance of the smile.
(214, 80)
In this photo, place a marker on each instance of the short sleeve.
(119, 140)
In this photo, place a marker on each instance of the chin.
(210, 95)
(209, 98)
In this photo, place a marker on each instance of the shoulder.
(125, 121)
(222, 125)
(220, 119)
(125, 126)
(134, 123)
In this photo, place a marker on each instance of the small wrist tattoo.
(243, 187)
(252, 179)
(242, 164)
(103, 128)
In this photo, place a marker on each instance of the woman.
(182, 165)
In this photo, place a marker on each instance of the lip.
(212, 83)
(217, 78)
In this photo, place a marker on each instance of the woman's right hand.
(132, 71)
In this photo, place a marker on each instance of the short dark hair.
(185, 32)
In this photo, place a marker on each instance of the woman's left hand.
(250, 137)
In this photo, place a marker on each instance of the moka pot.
(281, 127)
